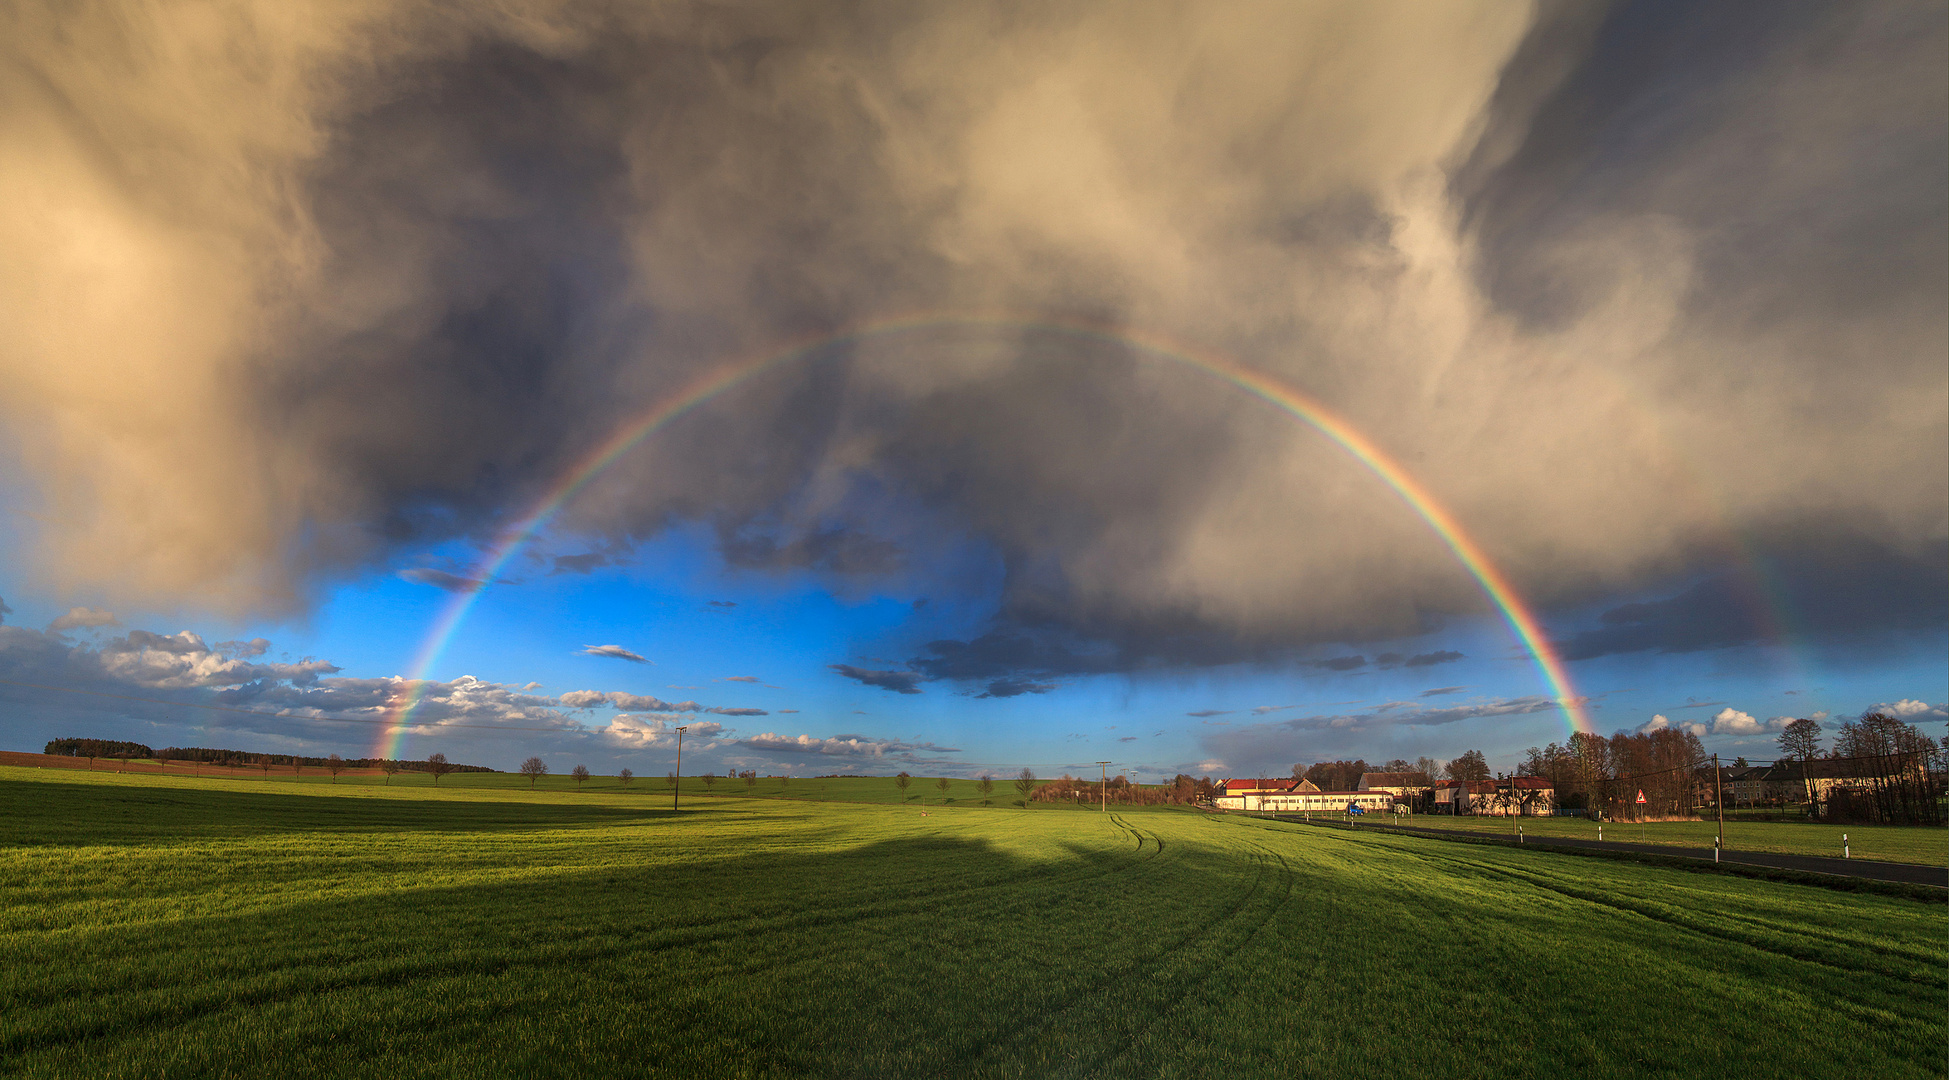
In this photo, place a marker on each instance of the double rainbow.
(1495, 584)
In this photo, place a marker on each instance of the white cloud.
(1911, 709)
(656, 732)
(1660, 722)
(1731, 721)
(589, 699)
(616, 652)
(841, 746)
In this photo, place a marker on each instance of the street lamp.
(1102, 787)
(677, 794)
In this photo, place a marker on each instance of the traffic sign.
(1640, 796)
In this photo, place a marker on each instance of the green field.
(1889, 843)
(176, 927)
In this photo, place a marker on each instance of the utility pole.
(1102, 787)
(677, 793)
(1719, 796)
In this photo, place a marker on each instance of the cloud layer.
(295, 288)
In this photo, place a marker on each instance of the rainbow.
(714, 381)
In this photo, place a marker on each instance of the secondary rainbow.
(707, 385)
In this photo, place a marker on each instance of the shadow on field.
(57, 813)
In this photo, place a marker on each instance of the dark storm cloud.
(1838, 591)
(900, 682)
(833, 551)
(1613, 282)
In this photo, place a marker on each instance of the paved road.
(1911, 873)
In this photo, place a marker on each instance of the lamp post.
(677, 793)
(1102, 787)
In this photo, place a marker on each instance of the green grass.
(1889, 843)
(173, 927)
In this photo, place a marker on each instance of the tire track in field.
(1230, 933)
(226, 995)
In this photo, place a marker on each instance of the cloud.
(1532, 249)
(724, 604)
(739, 678)
(738, 712)
(1261, 710)
(842, 746)
(580, 564)
(1440, 690)
(1210, 712)
(81, 617)
(589, 699)
(900, 682)
(1913, 710)
(1127, 738)
(615, 651)
(1013, 687)
(1660, 722)
(441, 579)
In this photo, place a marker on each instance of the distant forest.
(115, 748)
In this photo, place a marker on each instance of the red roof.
(1231, 785)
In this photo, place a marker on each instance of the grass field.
(163, 926)
(1889, 843)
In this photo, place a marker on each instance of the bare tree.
(389, 767)
(942, 783)
(784, 783)
(1025, 783)
(334, 765)
(1801, 739)
(264, 763)
(297, 764)
(534, 769)
(987, 786)
(625, 776)
(162, 759)
(709, 779)
(436, 763)
(902, 781)
(750, 778)
(581, 775)
(672, 780)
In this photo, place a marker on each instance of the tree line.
(242, 759)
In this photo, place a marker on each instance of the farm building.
(1523, 796)
(1405, 785)
(1295, 795)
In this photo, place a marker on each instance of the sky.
(959, 388)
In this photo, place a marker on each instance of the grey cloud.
(1543, 258)
(739, 678)
(580, 564)
(587, 699)
(738, 712)
(1210, 712)
(81, 617)
(441, 579)
(1015, 687)
(616, 652)
(1440, 690)
(900, 682)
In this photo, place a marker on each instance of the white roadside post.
(1844, 847)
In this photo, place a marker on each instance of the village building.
(1522, 796)
(1402, 785)
(1294, 796)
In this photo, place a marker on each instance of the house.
(1402, 785)
(1292, 796)
(1789, 781)
(1748, 785)
(1523, 796)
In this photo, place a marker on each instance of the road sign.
(1640, 796)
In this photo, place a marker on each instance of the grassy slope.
(159, 926)
(1891, 843)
